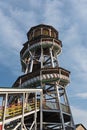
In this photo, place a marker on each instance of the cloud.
(10, 41)
(80, 8)
(10, 35)
(82, 95)
(52, 13)
(13, 23)
(80, 115)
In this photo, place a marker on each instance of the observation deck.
(42, 35)
(44, 75)
(44, 42)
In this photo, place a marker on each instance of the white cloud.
(30, 18)
(75, 49)
(10, 35)
(80, 116)
(52, 12)
(35, 4)
(80, 55)
(82, 95)
(80, 8)
(10, 42)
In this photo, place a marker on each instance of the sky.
(69, 17)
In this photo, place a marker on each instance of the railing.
(65, 108)
(50, 105)
(1, 112)
(54, 106)
(16, 109)
(52, 40)
(35, 41)
(62, 74)
(23, 106)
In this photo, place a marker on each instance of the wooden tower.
(39, 60)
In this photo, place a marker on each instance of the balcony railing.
(47, 74)
(48, 105)
(65, 108)
(35, 41)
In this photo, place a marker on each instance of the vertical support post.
(4, 111)
(20, 82)
(57, 64)
(41, 55)
(72, 121)
(41, 103)
(35, 111)
(58, 96)
(31, 65)
(26, 71)
(52, 61)
(22, 119)
(26, 97)
(41, 112)
(65, 98)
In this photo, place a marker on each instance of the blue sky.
(69, 17)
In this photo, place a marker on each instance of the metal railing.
(54, 106)
(65, 108)
(60, 72)
(16, 109)
(22, 108)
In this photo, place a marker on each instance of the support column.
(35, 116)
(41, 112)
(22, 119)
(27, 66)
(55, 55)
(72, 121)
(4, 110)
(52, 60)
(58, 96)
(42, 56)
(31, 65)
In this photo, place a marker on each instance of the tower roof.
(42, 25)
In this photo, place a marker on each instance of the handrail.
(65, 108)
(44, 39)
(50, 105)
(16, 109)
(54, 106)
(61, 71)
